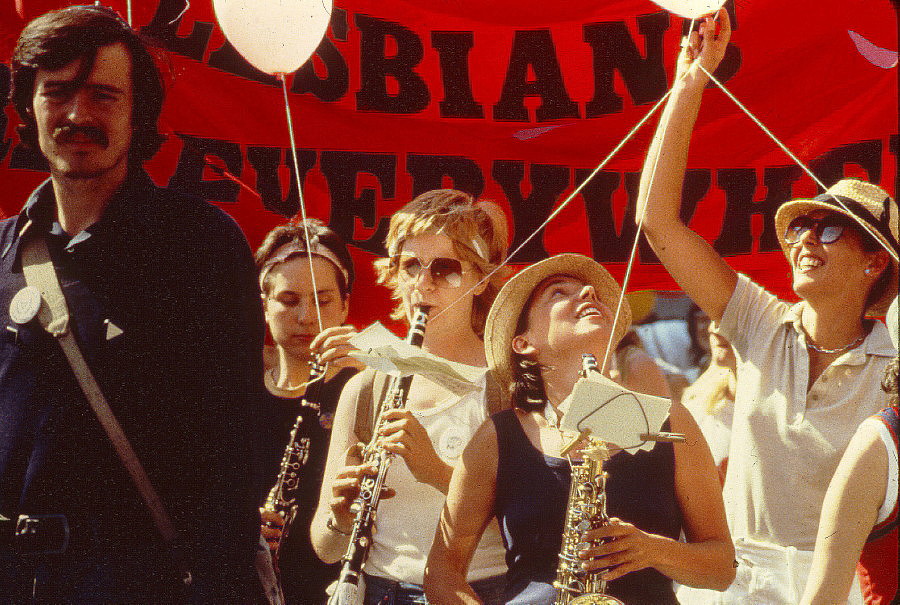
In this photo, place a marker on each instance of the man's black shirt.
(176, 277)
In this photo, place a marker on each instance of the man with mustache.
(163, 303)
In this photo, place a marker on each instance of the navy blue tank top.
(530, 505)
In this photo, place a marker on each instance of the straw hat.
(869, 205)
(501, 322)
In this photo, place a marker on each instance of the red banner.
(516, 102)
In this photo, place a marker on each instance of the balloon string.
(562, 205)
(643, 214)
(634, 245)
(309, 256)
(771, 135)
(187, 5)
(627, 277)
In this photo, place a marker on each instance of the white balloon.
(275, 36)
(691, 9)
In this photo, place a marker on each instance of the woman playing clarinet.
(441, 247)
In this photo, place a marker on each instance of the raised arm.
(467, 511)
(849, 511)
(694, 264)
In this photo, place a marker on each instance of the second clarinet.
(282, 497)
(372, 486)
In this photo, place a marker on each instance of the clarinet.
(282, 497)
(372, 486)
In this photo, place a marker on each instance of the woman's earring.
(868, 271)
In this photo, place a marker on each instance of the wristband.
(331, 525)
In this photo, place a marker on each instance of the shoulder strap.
(40, 273)
(361, 425)
(496, 399)
(371, 392)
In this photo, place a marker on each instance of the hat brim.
(504, 315)
(794, 208)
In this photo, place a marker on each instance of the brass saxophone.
(282, 497)
(372, 486)
(586, 510)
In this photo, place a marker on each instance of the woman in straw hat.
(858, 529)
(808, 374)
(541, 323)
(441, 246)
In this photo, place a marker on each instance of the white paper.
(382, 350)
(613, 413)
(372, 336)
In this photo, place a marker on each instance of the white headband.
(292, 249)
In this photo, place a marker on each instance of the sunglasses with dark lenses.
(828, 229)
(445, 272)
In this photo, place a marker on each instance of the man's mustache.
(68, 133)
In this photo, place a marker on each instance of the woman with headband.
(809, 373)
(541, 323)
(441, 247)
(293, 300)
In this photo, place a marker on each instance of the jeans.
(381, 591)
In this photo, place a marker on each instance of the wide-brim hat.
(503, 317)
(866, 204)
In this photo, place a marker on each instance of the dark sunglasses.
(828, 229)
(445, 272)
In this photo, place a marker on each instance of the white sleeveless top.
(405, 524)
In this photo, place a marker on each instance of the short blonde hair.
(478, 230)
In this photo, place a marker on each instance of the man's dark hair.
(60, 37)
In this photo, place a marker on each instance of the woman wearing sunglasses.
(808, 373)
(543, 320)
(441, 245)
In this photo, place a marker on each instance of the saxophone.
(372, 486)
(282, 497)
(586, 509)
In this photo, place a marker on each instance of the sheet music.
(613, 413)
(382, 350)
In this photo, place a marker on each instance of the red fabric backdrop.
(514, 101)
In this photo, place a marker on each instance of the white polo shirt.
(786, 442)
